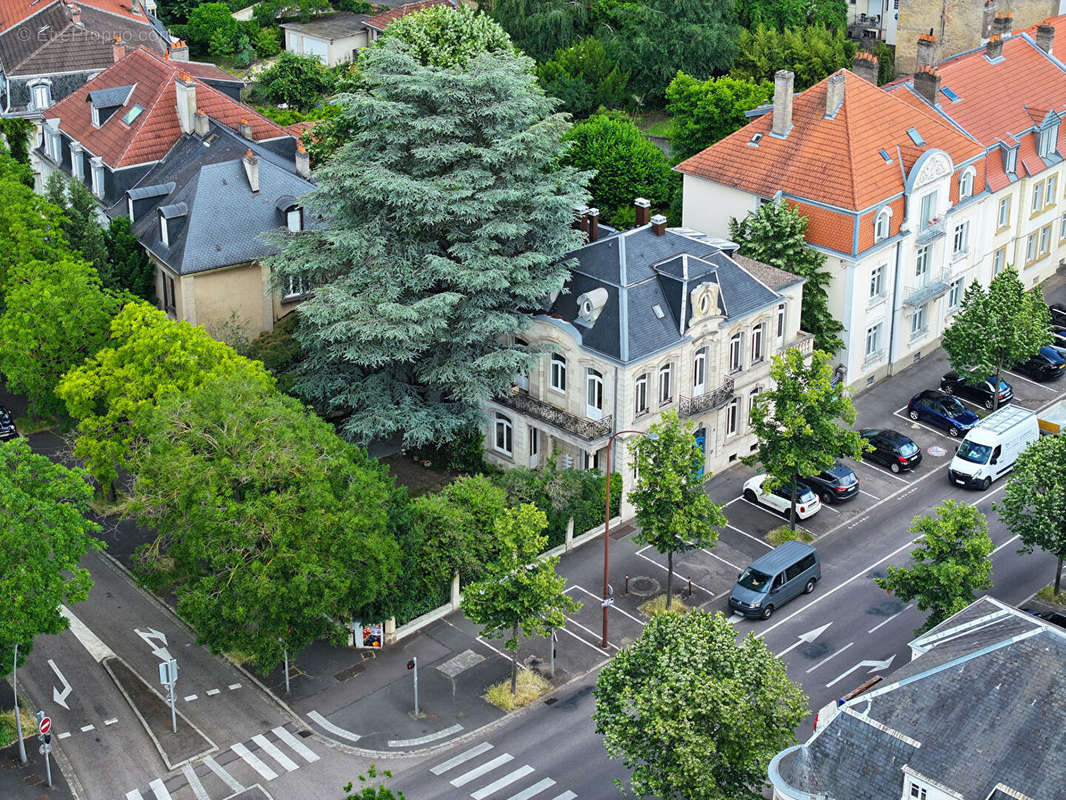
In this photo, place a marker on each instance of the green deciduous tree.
(584, 77)
(114, 393)
(625, 163)
(56, 316)
(368, 792)
(674, 512)
(298, 81)
(704, 112)
(207, 21)
(520, 593)
(443, 36)
(31, 228)
(811, 53)
(996, 328)
(781, 14)
(79, 221)
(1034, 504)
(268, 12)
(775, 234)
(541, 27)
(43, 536)
(950, 562)
(277, 527)
(803, 421)
(443, 224)
(695, 713)
(129, 268)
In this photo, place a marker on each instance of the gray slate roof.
(107, 98)
(224, 222)
(331, 26)
(640, 270)
(987, 704)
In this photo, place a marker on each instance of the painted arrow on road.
(60, 696)
(805, 638)
(151, 634)
(875, 666)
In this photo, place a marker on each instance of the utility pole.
(168, 676)
(18, 718)
(413, 665)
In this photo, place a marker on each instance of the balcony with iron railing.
(590, 430)
(708, 401)
(935, 285)
(930, 231)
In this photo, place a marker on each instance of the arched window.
(881, 224)
(699, 372)
(640, 394)
(593, 394)
(757, 343)
(751, 402)
(504, 440)
(731, 414)
(558, 373)
(734, 353)
(666, 384)
(966, 183)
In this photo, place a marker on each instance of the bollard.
(689, 588)
(627, 585)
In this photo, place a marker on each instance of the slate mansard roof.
(980, 712)
(202, 182)
(648, 280)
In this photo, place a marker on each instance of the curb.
(77, 791)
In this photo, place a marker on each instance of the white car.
(780, 499)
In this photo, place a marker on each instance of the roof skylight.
(658, 309)
(954, 98)
(885, 155)
(915, 136)
(132, 114)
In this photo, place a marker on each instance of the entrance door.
(701, 440)
(534, 448)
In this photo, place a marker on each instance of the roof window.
(755, 139)
(132, 114)
(949, 94)
(658, 309)
(885, 155)
(915, 136)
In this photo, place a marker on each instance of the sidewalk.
(18, 781)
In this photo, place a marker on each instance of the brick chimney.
(201, 124)
(179, 51)
(994, 47)
(251, 169)
(581, 219)
(594, 224)
(118, 49)
(927, 84)
(988, 19)
(1045, 36)
(643, 211)
(834, 94)
(782, 119)
(186, 91)
(658, 224)
(303, 161)
(926, 54)
(865, 66)
(1003, 24)
(245, 128)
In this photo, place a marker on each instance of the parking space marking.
(767, 545)
(616, 608)
(597, 648)
(592, 633)
(886, 472)
(729, 503)
(874, 496)
(1027, 380)
(777, 517)
(727, 563)
(664, 569)
(832, 655)
(885, 622)
(827, 507)
(920, 424)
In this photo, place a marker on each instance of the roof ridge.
(844, 111)
(149, 110)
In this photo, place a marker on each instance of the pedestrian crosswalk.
(259, 760)
(469, 771)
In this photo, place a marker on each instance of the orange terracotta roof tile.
(834, 161)
(151, 135)
(13, 12)
(381, 21)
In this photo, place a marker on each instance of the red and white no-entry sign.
(46, 724)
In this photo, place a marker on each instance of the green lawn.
(653, 123)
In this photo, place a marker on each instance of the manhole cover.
(349, 673)
(937, 452)
(643, 586)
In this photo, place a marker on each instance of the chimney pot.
(782, 113)
(926, 53)
(834, 94)
(245, 128)
(1045, 37)
(865, 65)
(994, 47)
(988, 19)
(594, 224)
(179, 51)
(927, 84)
(201, 123)
(303, 161)
(251, 169)
(75, 15)
(118, 49)
(658, 224)
(581, 219)
(185, 89)
(643, 207)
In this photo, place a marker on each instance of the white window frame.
(921, 265)
(296, 287)
(735, 353)
(97, 166)
(881, 222)
(666, 384)
(999, 257)
(752, 397)
(1051, 190)
(873, 340)
(557, 378)
(960, 240)
(77, 163)
(1062, 226)
(919, 319)
(955, 293)
(640, 395)
(593, 393)
(757, 345)
(877, 282)
(1038, 197)
(699, 372)
(732, 412)
(503, 435)
(1011, 161)
(781, 317)
(1045, 241)
(1030, 248)
(966, 183)
(1003, 218)
(294, 219)
(928, 208)
(164, 232)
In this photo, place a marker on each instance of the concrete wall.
(708, 206)
(338, 51)
(957, 24)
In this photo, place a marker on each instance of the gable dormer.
(1047, 135)
(171, 221)
(105, 102)
(1010, 158)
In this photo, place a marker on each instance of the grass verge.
(782, 534)
(1047, 594)
(28, 425)
(530, 687)
(657, 605)
(105, 507)
(8, 732)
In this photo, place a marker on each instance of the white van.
(992, 446)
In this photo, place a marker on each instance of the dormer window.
(1048, 141)
(966, 183)
(171, 218)
(164, 231)
(294, 219)
(40, 94)
(105, 102)
(97, 165)
(1010, 160)
(881, 227)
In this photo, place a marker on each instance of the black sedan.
(979, 392)
(1058, 313)
(7, 425)
(835, 485)
(1045, 365)
(891, 448)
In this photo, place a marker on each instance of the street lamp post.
(607, 531)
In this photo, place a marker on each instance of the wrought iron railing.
(933, 229)
(708, 401)
(935, 286)
(588, 429)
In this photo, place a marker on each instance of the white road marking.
(234, 686)
(194, 782)
(496, 650)
(498, 784)
(833, 655)
(223, 776)
(877, 666)
(886, 621)
(477, 772)
(89, 640)
(254, 761)
(775, 514)
(463, 757)
(111, 721)
(268, 747)
(805, 638)
(1028, 380)
(727, 563)
(735, 618)
(159, 790)
(536, 788)
(827, 507)
(874, 496)
(213, 692)
(1011, 539)
(429, 737)
(567, 795)
(88, 728)
(664, 569)
(292, 741)
(64, 735)
(613, 608)
(134, 795)
(326, 725)
(753, 538)
(591, 633)
(585, 642)
(60, 697)
(190, 697)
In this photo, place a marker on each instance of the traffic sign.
(45, 725)
(607, 601)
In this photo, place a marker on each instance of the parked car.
(780, 499)
(942, 410)
(1058, 313)
(787, 571)
(1045, 365)
(1054, 617)
(891, 448)
(1059, 332)
(979, 392)
(7, 425)
(835, 485)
